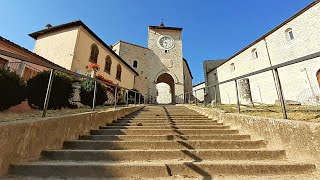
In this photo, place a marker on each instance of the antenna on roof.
(162, 24)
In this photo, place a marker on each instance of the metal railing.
(188, 99)
(12, 66)
(139, 98)
(20, 69)
(309, 94)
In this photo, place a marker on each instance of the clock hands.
(166, 42)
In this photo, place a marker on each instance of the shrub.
(60, 93)
(86, 93)
(12, 91)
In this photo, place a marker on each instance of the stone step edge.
(107, 141)
(158, 169)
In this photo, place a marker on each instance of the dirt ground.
(301, 113)
(6, 116)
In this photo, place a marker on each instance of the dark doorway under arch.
(167, 78)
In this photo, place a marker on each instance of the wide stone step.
(163, 124)
(170, 119)
(147, 155)
(162, 131)
(203, 169)
(159, 118)
(166, 137)
(157, 113)
(164, 121)
(169, 127)
(181, 144)
(164, 114)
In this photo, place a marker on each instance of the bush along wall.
(12, 91)
(61, 90)
(86, 93)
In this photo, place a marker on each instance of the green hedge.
(12, 91)
(86, 93)
(60, 93)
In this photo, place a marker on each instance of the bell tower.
(166, 57)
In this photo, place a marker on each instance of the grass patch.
(303, 113)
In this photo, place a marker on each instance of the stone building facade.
(211, 77)
(297, 37)
(162, 62)
(73, 45)
(137, 57)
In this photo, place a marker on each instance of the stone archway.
(318, 77)
(167, 79)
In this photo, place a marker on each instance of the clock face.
(166, 42)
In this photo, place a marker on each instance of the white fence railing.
(310, 96)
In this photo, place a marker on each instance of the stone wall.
(24, 140)
(301, 140)
(187, 77)
(130, 53)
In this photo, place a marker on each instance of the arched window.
(94, 53)
(135, 64)
(254, 53)
(232, 67)
(107, 67)
(289, 34)
(119, 70)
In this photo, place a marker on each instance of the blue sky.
(213, 29)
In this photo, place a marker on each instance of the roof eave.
(166, 28)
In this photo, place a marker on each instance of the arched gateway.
(163, 71)
(165, 89)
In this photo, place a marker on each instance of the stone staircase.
(161, 141)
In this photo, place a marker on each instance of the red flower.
(95, 67)
(110, 89)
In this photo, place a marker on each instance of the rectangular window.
(232, 67)
(291, 35)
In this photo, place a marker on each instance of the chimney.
(49, 26)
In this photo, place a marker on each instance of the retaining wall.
(22, 141)
(300, 139)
